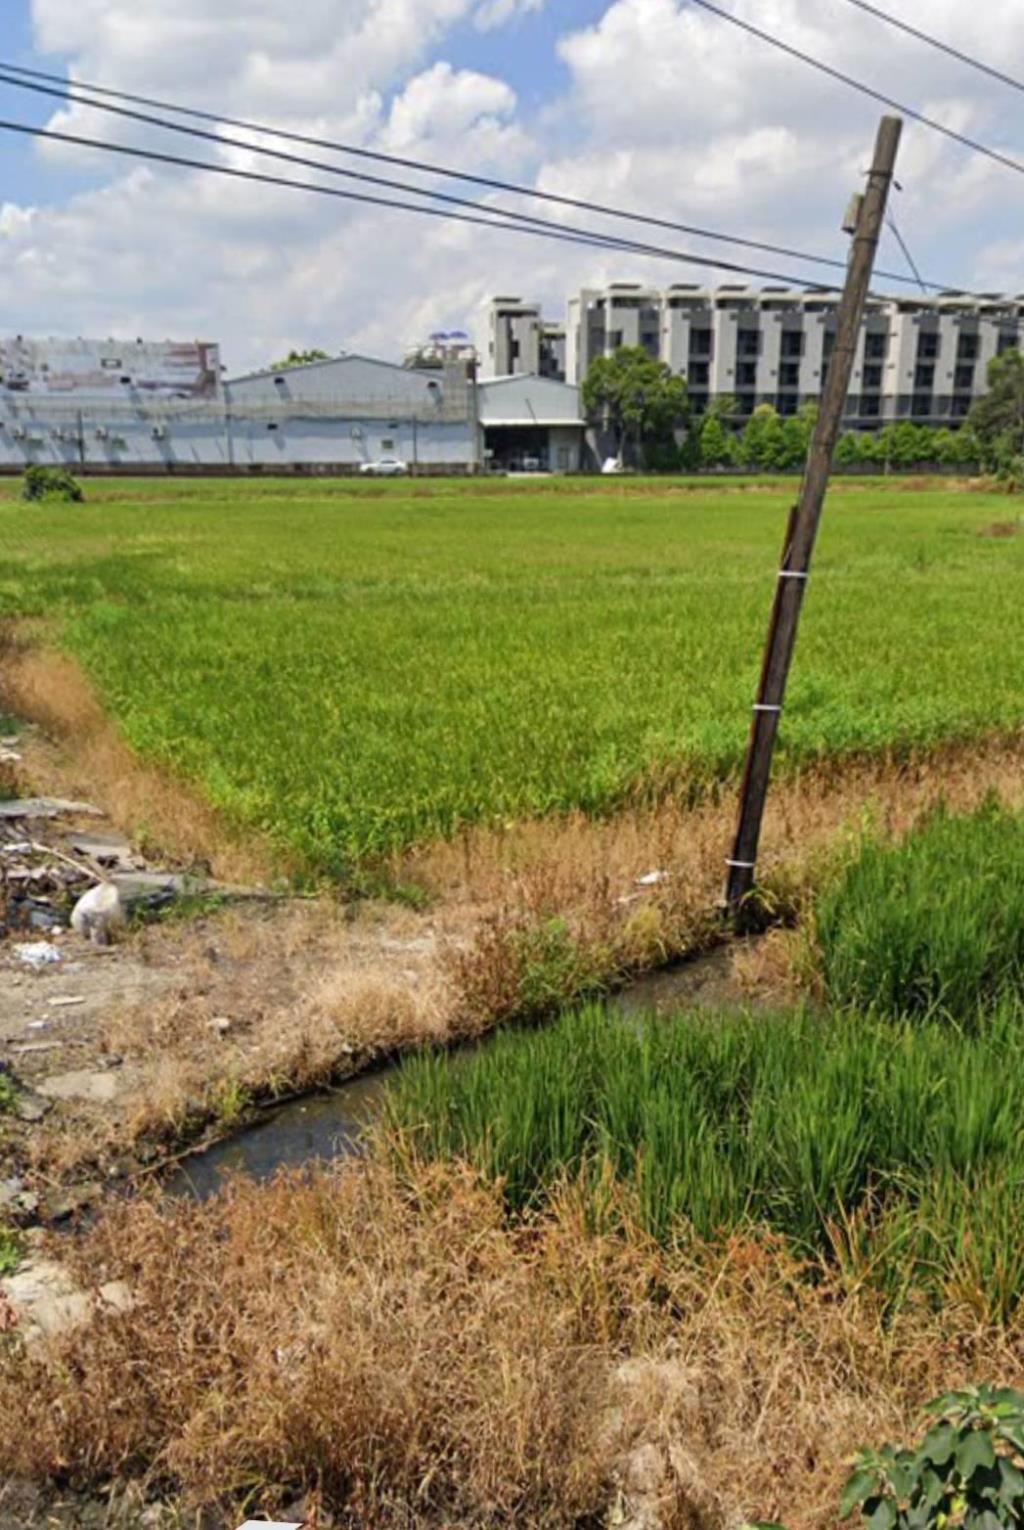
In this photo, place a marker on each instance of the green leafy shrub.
(933, 925)
(50, 483)
(966, 1471)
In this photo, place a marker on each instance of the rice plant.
(933, 925)
(360, 667)
(903, 1142)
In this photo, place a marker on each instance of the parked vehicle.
(385, 467)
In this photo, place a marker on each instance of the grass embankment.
(357, 668)
(693, 1263)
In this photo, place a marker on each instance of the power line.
(18, 75)
(565, 235)
(936, 42)
(891, 221)
(866, 90)
(613, 241)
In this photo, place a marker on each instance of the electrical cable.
(866, 90)
(564, 235)
(936, 42)
(906, 252)
(490, 182)
(614, 241)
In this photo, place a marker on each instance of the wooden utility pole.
(803, 521)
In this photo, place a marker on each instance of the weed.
(10, 1249)
(8, 1093)
(51, 486)
(231, 1103)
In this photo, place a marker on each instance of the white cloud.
(666, 109)
(498, 13)
(446, 103)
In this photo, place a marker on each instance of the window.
(698, 375)
(876, 347)
(748, 342)
(700, 342)
(1007, 340)
(615, 339)
(387, 444)
(961, 408)
(792, 343)
(746, 374)
(872, 377)
(651, 344)
(921, 405)
(924, 377)
(963, 377)
(789, 374)
(828, 343)
(870, 408)
(967, 348)
(746, 403)
(788, 403)
(513, 350)
(927, 345)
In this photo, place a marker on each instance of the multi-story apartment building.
(921, 359)
(521, 340)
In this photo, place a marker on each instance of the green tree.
(717, 448)
(997, 419)
(852, 448)
(299, 359)
(764, 441)
(639, 399)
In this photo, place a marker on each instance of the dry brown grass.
(585, 872)
(161, 814)
(403, 1352)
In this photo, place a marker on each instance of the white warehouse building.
(117, 406)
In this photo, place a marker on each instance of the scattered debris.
(66, 1001)
(46, 1300)
(652, 879)
(83, 1084)
(30, 1107)
(37, 954)
(110, 851)
(47, 807)
(220, 1023)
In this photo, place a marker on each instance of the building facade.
(521, 341)
(920, 359)
(113, 406)
(532, 424)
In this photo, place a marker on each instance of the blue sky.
(652, 105)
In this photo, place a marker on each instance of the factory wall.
(331, 415)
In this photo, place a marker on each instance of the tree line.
(647, 410)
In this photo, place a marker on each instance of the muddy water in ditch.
(327, 1126)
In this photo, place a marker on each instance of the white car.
(385, 467)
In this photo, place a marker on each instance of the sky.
(652, 105)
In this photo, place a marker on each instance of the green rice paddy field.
(354, 667)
